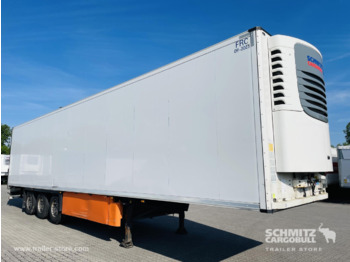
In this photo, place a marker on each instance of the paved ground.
(215, 234)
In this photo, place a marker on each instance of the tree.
(6, 133)
(347, 133)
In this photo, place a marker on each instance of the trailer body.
(344, 166)
(333, 177)
(5, 165)
(242, 123)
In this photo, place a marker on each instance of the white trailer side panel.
(185, 132)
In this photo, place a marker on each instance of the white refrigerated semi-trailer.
(242, 123)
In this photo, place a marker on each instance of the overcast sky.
(54, 53)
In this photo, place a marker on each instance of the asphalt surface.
(214, 234)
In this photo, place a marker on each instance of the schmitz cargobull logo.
(298, 235)
(314, 63)
(290, 235)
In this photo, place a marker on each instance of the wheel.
(42, 206)
(55, 215)
(30, 203)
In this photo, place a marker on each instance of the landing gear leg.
(127, 241)
(181, 230)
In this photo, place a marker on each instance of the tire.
(30, 203)
(55, 215)
(42, 206)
